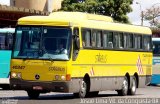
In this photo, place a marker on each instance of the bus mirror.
(77, 42)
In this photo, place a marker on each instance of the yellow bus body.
(108, 66)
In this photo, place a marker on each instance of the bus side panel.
(107, 69)
(156, 71)
(4, 66)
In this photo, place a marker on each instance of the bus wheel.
(83, 89)
(133, 87)
(33, 94)
(124, 90)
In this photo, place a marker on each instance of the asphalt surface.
(147, 95)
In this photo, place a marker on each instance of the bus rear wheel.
(132, 90)
(124, 90)
(33, 94)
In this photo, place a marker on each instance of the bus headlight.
(57, 77)
(13, 75)
(16, 75)
(19, 75)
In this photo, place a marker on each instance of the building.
(155, 32)
(12, 10)
(43, 5)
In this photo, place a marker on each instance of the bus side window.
(121, 41)
(104, 39)
(118, 40)
(110, 40)
(130, 40)
(93, 38)
(75, 48)
(146, 43)
(99, 39)
(107, 39)
(2, 42)
(125, 40)
(110, 44)
(139, 41)
(86, 38)
(9, 42)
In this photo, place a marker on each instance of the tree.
(152, 14)
(117, 9)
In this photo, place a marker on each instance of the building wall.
(42, 5)
(57, 4)
(32, 4)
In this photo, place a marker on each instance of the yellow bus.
(79, 53)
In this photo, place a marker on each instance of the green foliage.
(117, 9)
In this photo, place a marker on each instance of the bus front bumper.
(55, 86)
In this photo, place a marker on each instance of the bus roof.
(83, 20)
(76, 16)
(7, 30)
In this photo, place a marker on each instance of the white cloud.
(134, 16)
(5, 2)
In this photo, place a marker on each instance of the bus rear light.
(68, 77)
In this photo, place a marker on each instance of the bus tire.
(124, 90)
(33, 94)
(132, 90)
(84, 89)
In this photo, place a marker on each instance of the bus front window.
(56, 43)
(27, 42)
(42, 43)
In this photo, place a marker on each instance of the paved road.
(150, 94)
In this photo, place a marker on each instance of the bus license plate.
(37, 88)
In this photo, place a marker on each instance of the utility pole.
(142, 13)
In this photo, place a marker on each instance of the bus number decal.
(99, 58)
(18, 67)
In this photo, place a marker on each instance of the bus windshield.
(156, 48)
(42, 43)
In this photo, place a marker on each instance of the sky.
(134, 16)
(5, 2)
